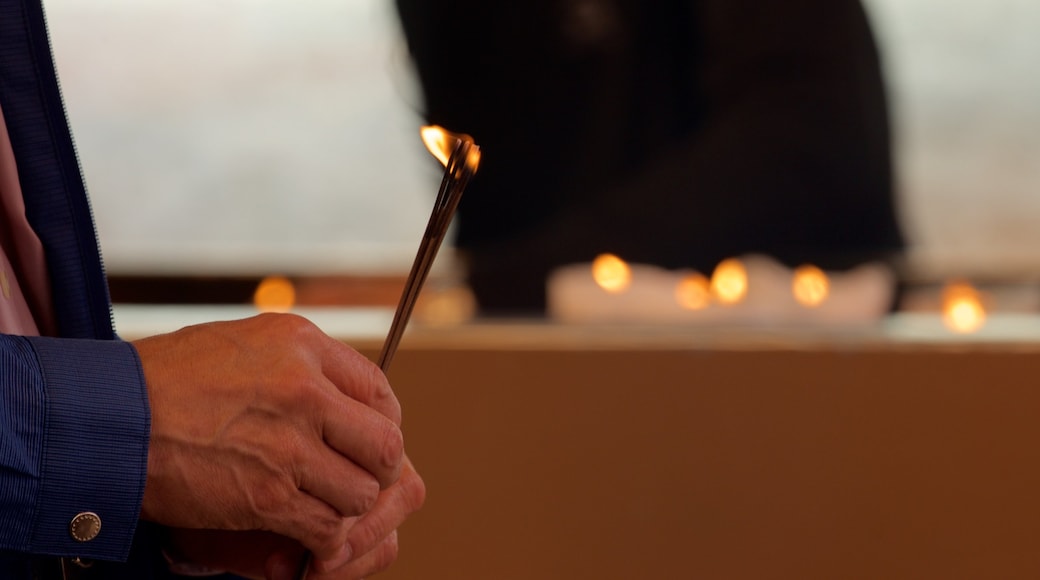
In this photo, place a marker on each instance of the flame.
(441, 142)
(810, 286)
(729, 282)
(473, 159)
(693, 292)
(611, 273)
(274, 294)
(962, 308)
(436, 140)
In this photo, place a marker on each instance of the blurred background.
(246, 137)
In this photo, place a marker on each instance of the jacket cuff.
(95, 448)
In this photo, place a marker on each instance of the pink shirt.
(25, 294)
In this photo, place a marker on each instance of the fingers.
(349, 403)
(360, 379)
(371, 530)
(295, 431)
(319, 527)
(355, 548)
(373, 440)
(368, 438)
(376, 560)
(347, 487)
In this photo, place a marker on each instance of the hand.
(372, 539)
(267, 424)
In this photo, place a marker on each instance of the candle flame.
(693, 292)
(441, 143)
(611, 273)
(962, 308)
(274, 294)
(729, 282)
(810, 286)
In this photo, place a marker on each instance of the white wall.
(251, 135)
(965, 77)
(271, 135)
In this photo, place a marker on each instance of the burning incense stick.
(460, 156)
(459, 167)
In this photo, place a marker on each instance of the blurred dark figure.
(669, 132)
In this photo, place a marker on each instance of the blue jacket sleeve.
(74, 432)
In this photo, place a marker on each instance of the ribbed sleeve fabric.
(77, 412)
(21, 439)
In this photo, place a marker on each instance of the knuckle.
(299, 384)
(364, 537)
(360, 499)
(366, 497)
(272, 495)
(388, 553)
(378, 392)
(393, 407)
(326, 533)
(414, 491)
(293, 322)
(295, 450)
(292, 329)
(391, 452)
(384, 552)
(385, 399)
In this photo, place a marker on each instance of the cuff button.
(85, 526)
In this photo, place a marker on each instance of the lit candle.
(611, 273)
(962, 309)
(729, 282)
(750, 290)
(274, 294)
(693, 292)
(810, 286)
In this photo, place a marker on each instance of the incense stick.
(456, 176)
(457, 173)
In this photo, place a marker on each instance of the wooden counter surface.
(770, 459)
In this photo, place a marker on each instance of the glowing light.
(693, 292)
(729, 282)
(962, 308)
(441, 142)
(437, 142)
(810, 286)
(611, 273)
(274, 294)
(446, 307)
(473, 159)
